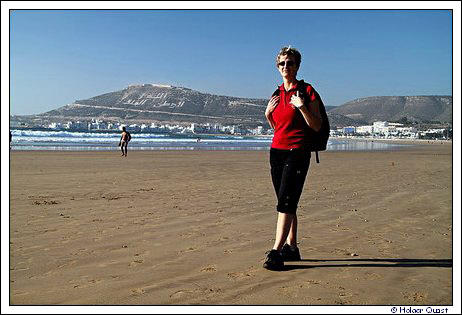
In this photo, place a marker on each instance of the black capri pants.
(288, 172)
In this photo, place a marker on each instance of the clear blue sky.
(57, 57)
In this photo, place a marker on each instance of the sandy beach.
(192, 227)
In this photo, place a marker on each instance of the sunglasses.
(288, 63)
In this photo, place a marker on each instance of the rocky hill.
(154, 102)
(167, 103)
(393, 108)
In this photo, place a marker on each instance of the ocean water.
(96, 141)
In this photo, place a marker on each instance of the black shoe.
(290, 254)
(274, 260)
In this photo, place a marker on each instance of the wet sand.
(192, 227)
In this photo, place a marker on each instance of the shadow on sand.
(390, 262)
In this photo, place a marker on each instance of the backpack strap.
(276, 92)
(301, 87)
(317, 157)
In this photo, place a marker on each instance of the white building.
(405, 130)
(380, 124)
(383, 128)
(365, 129)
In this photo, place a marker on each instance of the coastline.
(192, 227)
(395, 140)
(91, 141)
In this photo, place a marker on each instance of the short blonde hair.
(289, 51)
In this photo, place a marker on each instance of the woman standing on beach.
(290, 113)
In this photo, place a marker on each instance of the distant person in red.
(124, 140)
(290, 113)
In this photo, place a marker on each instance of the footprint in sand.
(145, 189)
(189, 249)
(93, 281)
(136, 263)
(242, 275)
(415, 296)
(183, 293)
(209, 269)
(89, 283)
(187, 235)
(137, 291)
(45, 202)
(345, 295)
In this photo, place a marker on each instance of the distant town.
(378, 130)
(390, 130)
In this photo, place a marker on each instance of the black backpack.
(317, 139)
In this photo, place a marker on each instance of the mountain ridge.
(392, 108)
(159, 102)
